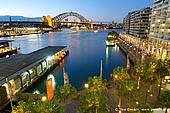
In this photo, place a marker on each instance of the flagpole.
(101, 69)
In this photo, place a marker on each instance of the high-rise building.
(136, 23)
(160, 29)
(160, 20)
(126, 24)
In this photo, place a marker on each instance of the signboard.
(49, 86)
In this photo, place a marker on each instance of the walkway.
(111, 94)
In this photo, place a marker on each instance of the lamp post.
(86, 85)
(167, 80)
(44, 98)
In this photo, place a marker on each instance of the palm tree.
(37, 107)
(129, 91)
(149, 77)
(138, 71)
(120, 74)
(164, 100)
(63, 93)
(93, 102)
(23, 107)
(20, 108)
(96, 83)
(162, 71)
(48, 106)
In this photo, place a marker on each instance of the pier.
(20, 71)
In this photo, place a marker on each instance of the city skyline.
(95, 10)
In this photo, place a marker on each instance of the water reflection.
(107, 54)
(86, 49)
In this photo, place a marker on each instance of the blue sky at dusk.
(97, 10)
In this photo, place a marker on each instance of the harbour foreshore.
(20, 71)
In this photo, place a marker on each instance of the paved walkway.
(111, 94)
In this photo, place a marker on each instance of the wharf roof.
(4, 41)
(15, 65)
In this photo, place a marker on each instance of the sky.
(97, 10)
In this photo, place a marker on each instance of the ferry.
(111, 42)
(6, 48)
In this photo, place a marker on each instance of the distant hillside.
(19, 18)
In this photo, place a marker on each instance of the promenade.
(111, 94)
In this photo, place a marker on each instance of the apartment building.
(136, 23)
(126, 24)
(159, 35)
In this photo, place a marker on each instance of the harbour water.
(86, 50)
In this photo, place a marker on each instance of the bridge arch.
(60, 17)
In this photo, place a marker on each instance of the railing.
(27, 96)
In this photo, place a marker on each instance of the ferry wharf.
(20, 71)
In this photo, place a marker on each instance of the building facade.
(136, 23)
(159, 35)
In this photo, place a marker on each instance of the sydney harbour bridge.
(62, 20)
(59, 21)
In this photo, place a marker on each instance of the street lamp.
(167, 79)
(44, 98)
(86, 85)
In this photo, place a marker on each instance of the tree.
(120, 74)
(93, 102)
(48, 107)
(162, 71)
(32, 106)
(129, 91)
(63, 93)
(96, 83)
(138, 71)
(149, 77)
(164, 100)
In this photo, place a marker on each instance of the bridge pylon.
(91, 24)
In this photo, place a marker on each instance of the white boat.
(95, 31)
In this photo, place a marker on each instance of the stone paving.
(111, 94)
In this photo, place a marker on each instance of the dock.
(20, 71)
(112, 42)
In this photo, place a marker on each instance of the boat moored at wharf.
(6, 48)
(21, 70)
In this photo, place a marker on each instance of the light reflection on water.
(86, 50)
